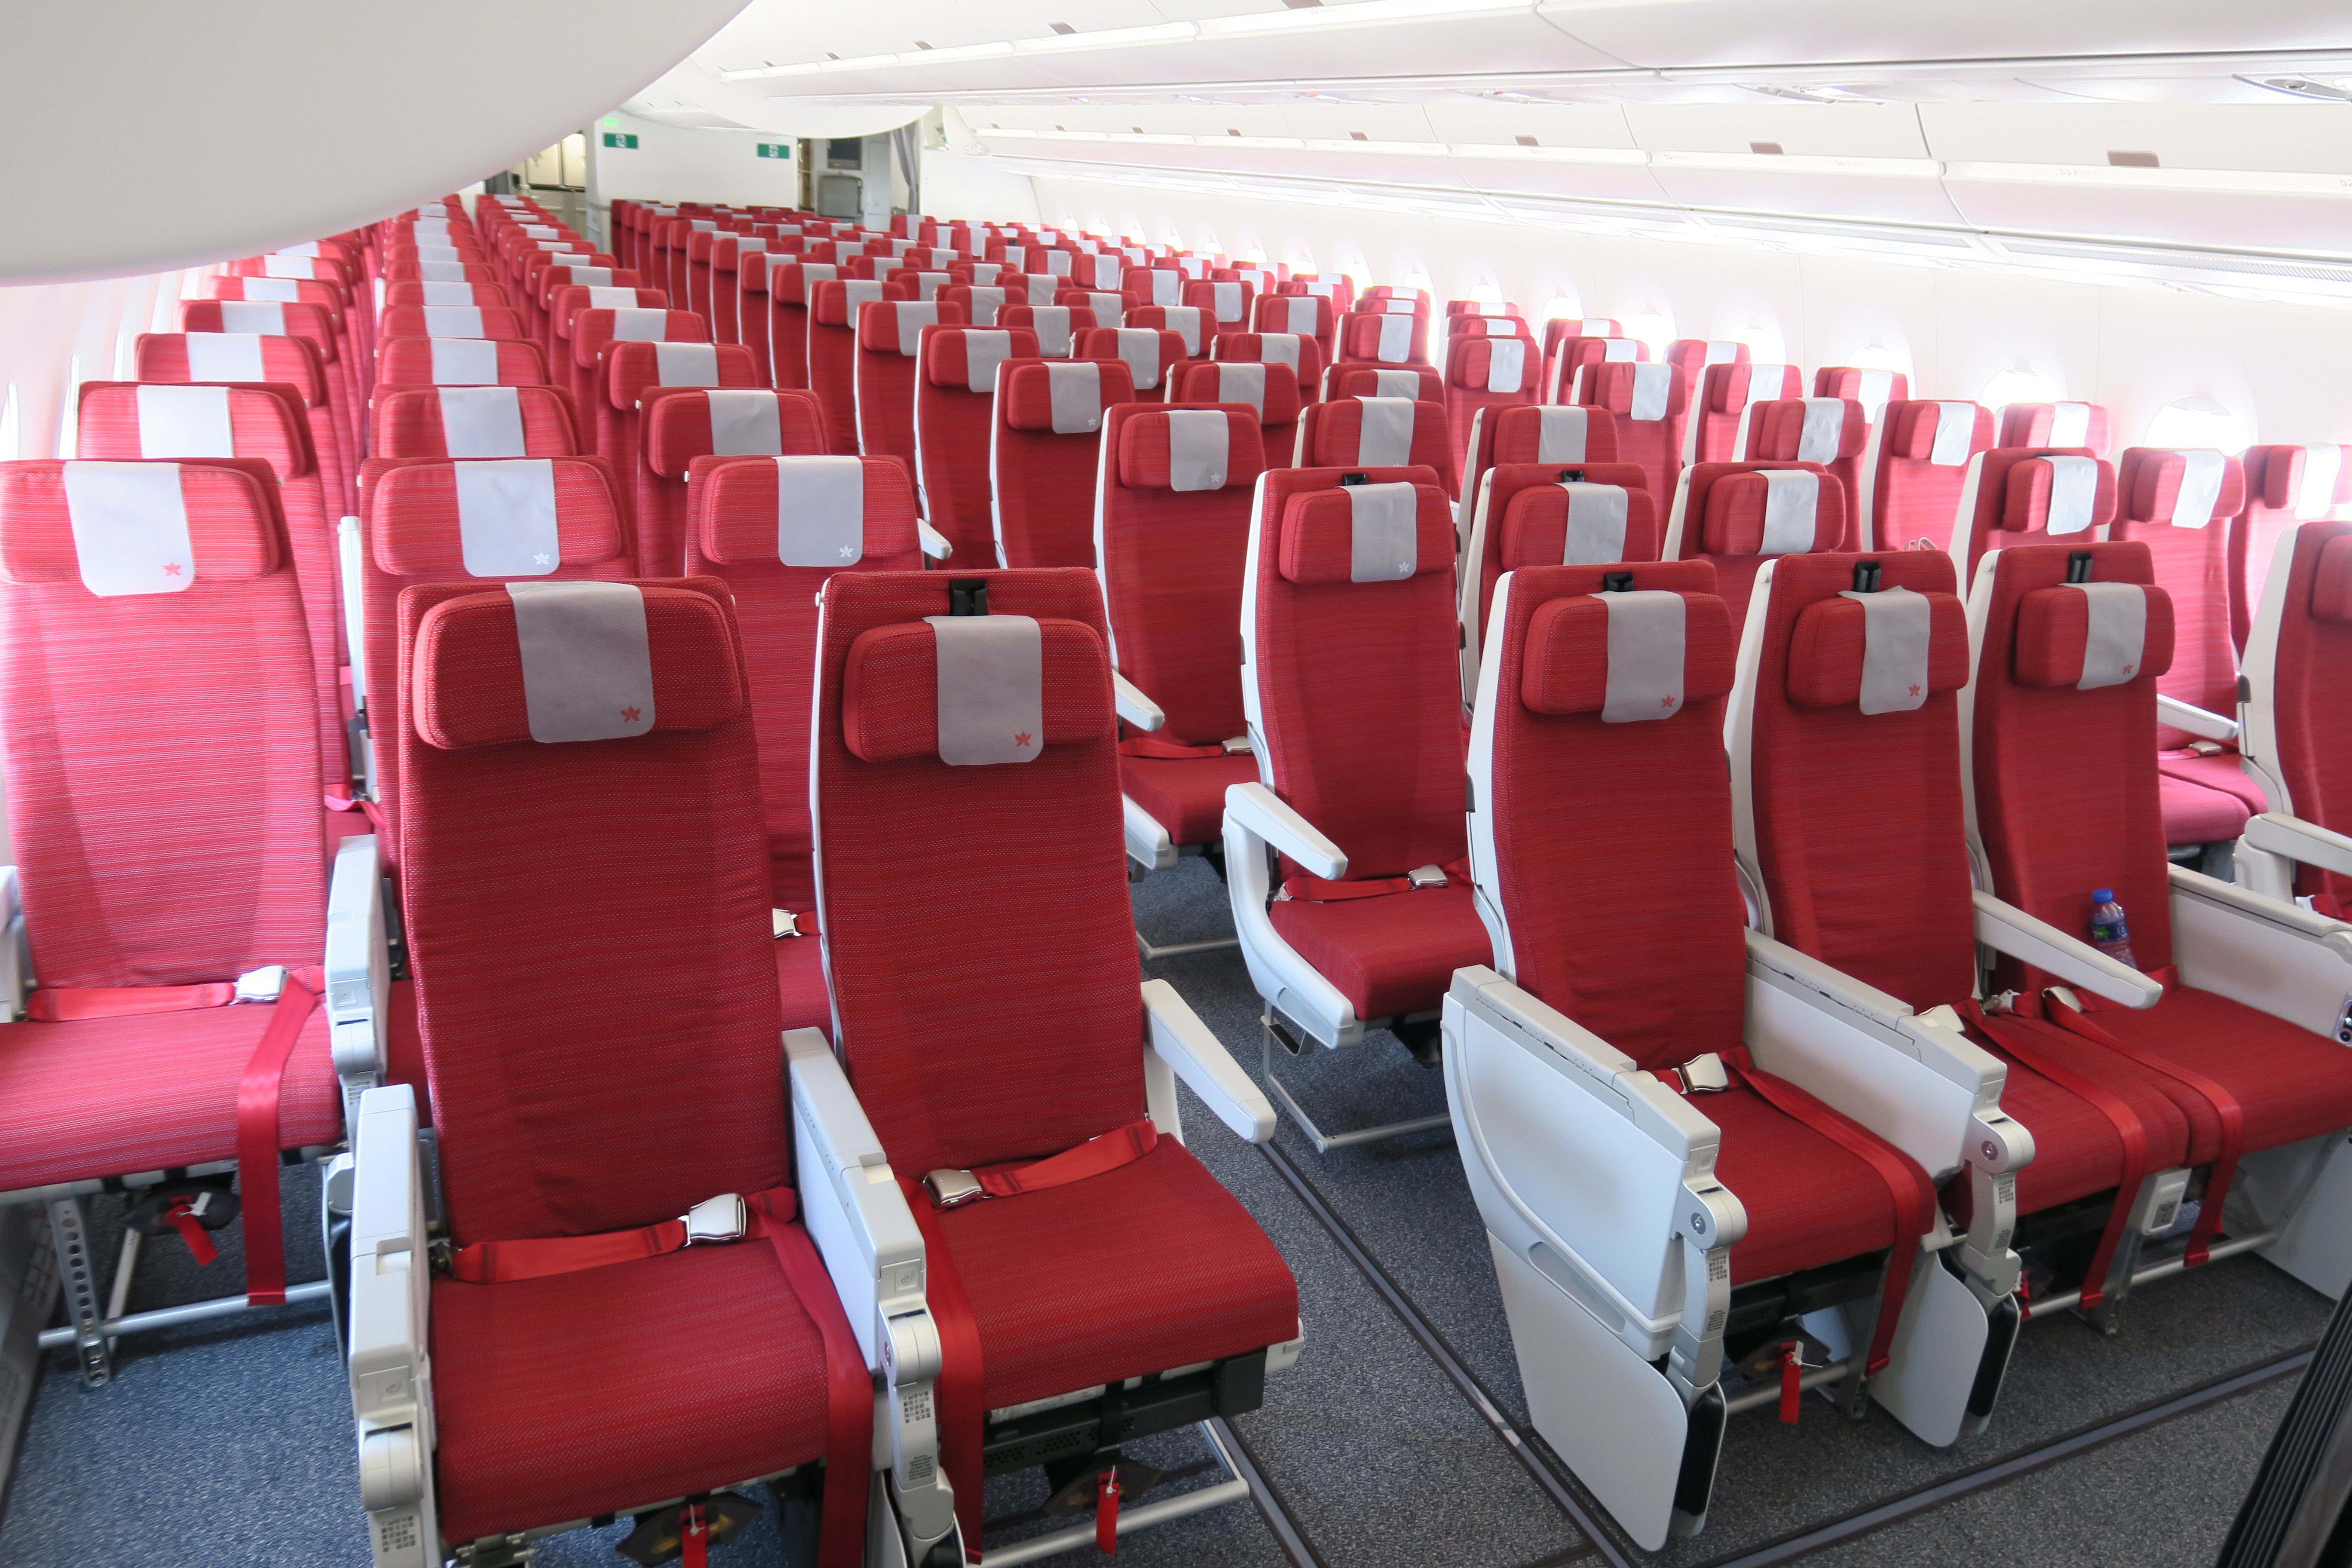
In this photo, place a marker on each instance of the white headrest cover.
(1871, 389)
(1956, 429)
(1652, 383)
(1792, 500)
(1243, 384)
(1057, 263)
(465, 361)
(1765, 384)
(441, 271)
(1301, 312)
(1076, 390)
(1167, 288)
(601, 299)
(2070, 424)
(1139, 347)
(1199, 441)
(914, 315)
(453, 320)
(1280, 348)
(1824, 430)
(2117, 633)
(640, 326)
(1043, 286)
(1185, 322)
(1052, 325)
(1385, 439)
(820, 510)
(273, 287)
(130, 528)
(1620, 350)
(856, 291)
(1396, 338)
(481, 421)
(686, 364)
(264, 316)
(984, 351)
(1384, 542)
(505, 518)
(1719, 352)
(745, 423)
(2201, 489)
(992, 689)
(2074, 492)
(184, 422)
(1645, 656)
(1897, 625)
(1405, 383)
(1228, 300)
(2314, 496)
(1561, 435)
(225, 356)
(291, 267)
(1506, 364)
(1596, 524)
(587, 670)
(447, 293)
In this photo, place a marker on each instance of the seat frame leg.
(1323, 1142)
(78, 1273)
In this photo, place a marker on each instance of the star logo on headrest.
(1666, 701)
(1021, 737)
(629, 715)
(172, 568)
(847, 552)
(1915, 691)
(2127, 670)
(541, 559)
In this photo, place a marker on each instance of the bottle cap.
(2102, 895)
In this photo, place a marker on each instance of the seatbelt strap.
(848, 1382)
(2225, 1104)
(73, 1003)
(2015, 1042)
(1906, 1184)
(257, 1134)
(1120, 1146)
(957, 1389)
(1176, 751)
(725, 1218)
(1322, 890)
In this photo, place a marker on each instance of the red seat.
(1378, 433)
(1742, 515)
(1917, 463)
(1568, 435)
(1421, 383)
(1831, 431)
(2028, 495)
(677, 425)
(569, 300)
(1188, 323)
(955, 422)
(472, 422)
(2284, 486)
(595, 333)
(1716, 430)
(1485, 375)
(1309, 315)
(1226, 305)
(1265, 389)
(627, 375)
(1648, 402)
(1047, 440)
(465, 361)
(2057, 424)
(1152, 356)
(1301, 353)
(247, 357)
(1562, 358)
(789, 281)
(1549, 514)
(1371, 335)
(1057, 328)
(2294, 707)
(832, 349)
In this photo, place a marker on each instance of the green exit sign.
(620, 139)
(775, 149)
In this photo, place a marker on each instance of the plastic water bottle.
(2109, 932)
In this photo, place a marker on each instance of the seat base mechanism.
(1277, 1032)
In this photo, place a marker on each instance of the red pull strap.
(182, 1217)
(693, 1539)
(1107, 1514)
(257, 1137)
(1792, 1379)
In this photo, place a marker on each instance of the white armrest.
(1178, 1037)
(359, 963)
(2306, 842)
(935, 543)
(849, 1196)
(1133, 706)
(2006, 929)
(2195, 720)
(350, 543)
(1148, 844)
(16, 957)
(1834, 985)
(389, 1360)
(1260, 811)
(2291, 917)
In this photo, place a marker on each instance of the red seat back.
(1648, 401)
(1922, 451)
(2057, 424)
(1265, 389)
(1047, 443)
(2185, 506)
(1550, 514)
(472, 422)
(1378, 433)
(1831, 431)
(2303, 642)
(889, 350)
(1488, 373)
(2027, 495)
(680, 425)
(2284, 486)
(1741, 515)
(955, 422)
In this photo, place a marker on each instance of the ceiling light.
(1361, 13)
(1810, 94)
(1109, 38)
(1801, 164)
(2302, 86)
(1523, 153)
(2255, 182)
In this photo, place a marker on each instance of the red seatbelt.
(1906, 1184)
(257, 1138)
(2225, 1104)
(1120, 1146)
(2129, 1129)
(1172, 751)
(1323, 890)
(73, 1003)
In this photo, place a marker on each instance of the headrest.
(1502, 364)
(1228, 304)
(1462, 324)
(1944, 434)
(1057, 326)
(1155, 286)
(631, 369)
(2185, 488)
(1634, 390)
(2055, 425)
(2310, 478)
(1308, 314)
(1421, 383)
(590, 329)
(974, 689)
(1150, 355)
(1067, 398)
(1286, 349)
(573, 661)
(835, 301)
(2060, 493)
(966, 358)
(1377, 433)
(523, 517)
(233, 356)
(925, 284)
(1700, 352)
(895, 326)
(2090, 635)
(1581, 523)
(827, 512)
(1887, 651)
(2331, 581)
(1629, 656)
(790, 282)
(1189, 323)
(1366, 533)
(1731, 388)
(1105, 309)
(1190, 449)
(1379, 336)
(1773, 511)
(457, 362)
(151, 420)
(1806, 430)
(121, 529)
(981, 301)
(747, 422)
(1275, 398)
(1554, 432)
(1874, 389)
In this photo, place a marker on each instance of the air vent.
(2133, 160)
(1765, 149)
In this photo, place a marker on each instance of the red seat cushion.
(2195, 813)
(2293, 1084)
(575, 1394)
(2221, 773)
(1809, 1201)
(799, 981)
(1389, 955)
(1170, 1271)
(108, 1097)
(1186, 795)
(2076, 1150)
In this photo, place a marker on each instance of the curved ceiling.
(209, 131)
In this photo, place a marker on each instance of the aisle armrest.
(2198, 721)
(1257, 810)
(935, 544)
(2005, 928)
(1178, 1037)
(2302, 841)
(359, 965)
(1133, 706)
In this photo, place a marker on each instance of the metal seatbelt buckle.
(720, 1219)
(951, 1189)
(1237, 745)
(786, 923)
(261, 984)
(1426, 876)
(1704, 1075)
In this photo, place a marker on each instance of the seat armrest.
(2302, 841)
(359, 963)
(2197, 721)
(389, 1360)
(1133, 706)
(935, 544)
(2005, 928)
(1175, 1034)
(849, 1196)
(16, 957)
(1259, 811)
(1835, 988)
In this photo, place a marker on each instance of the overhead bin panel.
(2305, 138)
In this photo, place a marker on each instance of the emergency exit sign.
(620, 139)
(775, 149)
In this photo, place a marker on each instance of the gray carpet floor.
(230, 1443)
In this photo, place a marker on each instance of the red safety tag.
(1107, 1514)
(694, 1540)
(1792, 1379)
(182, 1216)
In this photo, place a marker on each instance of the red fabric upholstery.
(285, 362)
(1655, 443)
(1186, 795)
(1367, 338)
(2053, 631)
(2012, 495)
(1809, 1201)
(1331, 435)
(1487, 372)
(2194, 558)
(675, 427)
(789, 283)
(889, 339)
(1775, 434)
(1046, 479)
(1874, 389)
(1392, 956)
(597, 335)
(2057, 424)
(1564, 669)
(955, 421)
(2314, 639)
(1725, 392)
(1317, 537)
(1522, 517)
(406, 422)
(1569, 354)
(1421, 383)
(1913, 497)
(1297, 352)
(890, 691)
(831, 348)
(1723, 522)
(2282, 489)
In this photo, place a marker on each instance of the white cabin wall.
(2134, 347)
(962, 188)
(678, 162)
